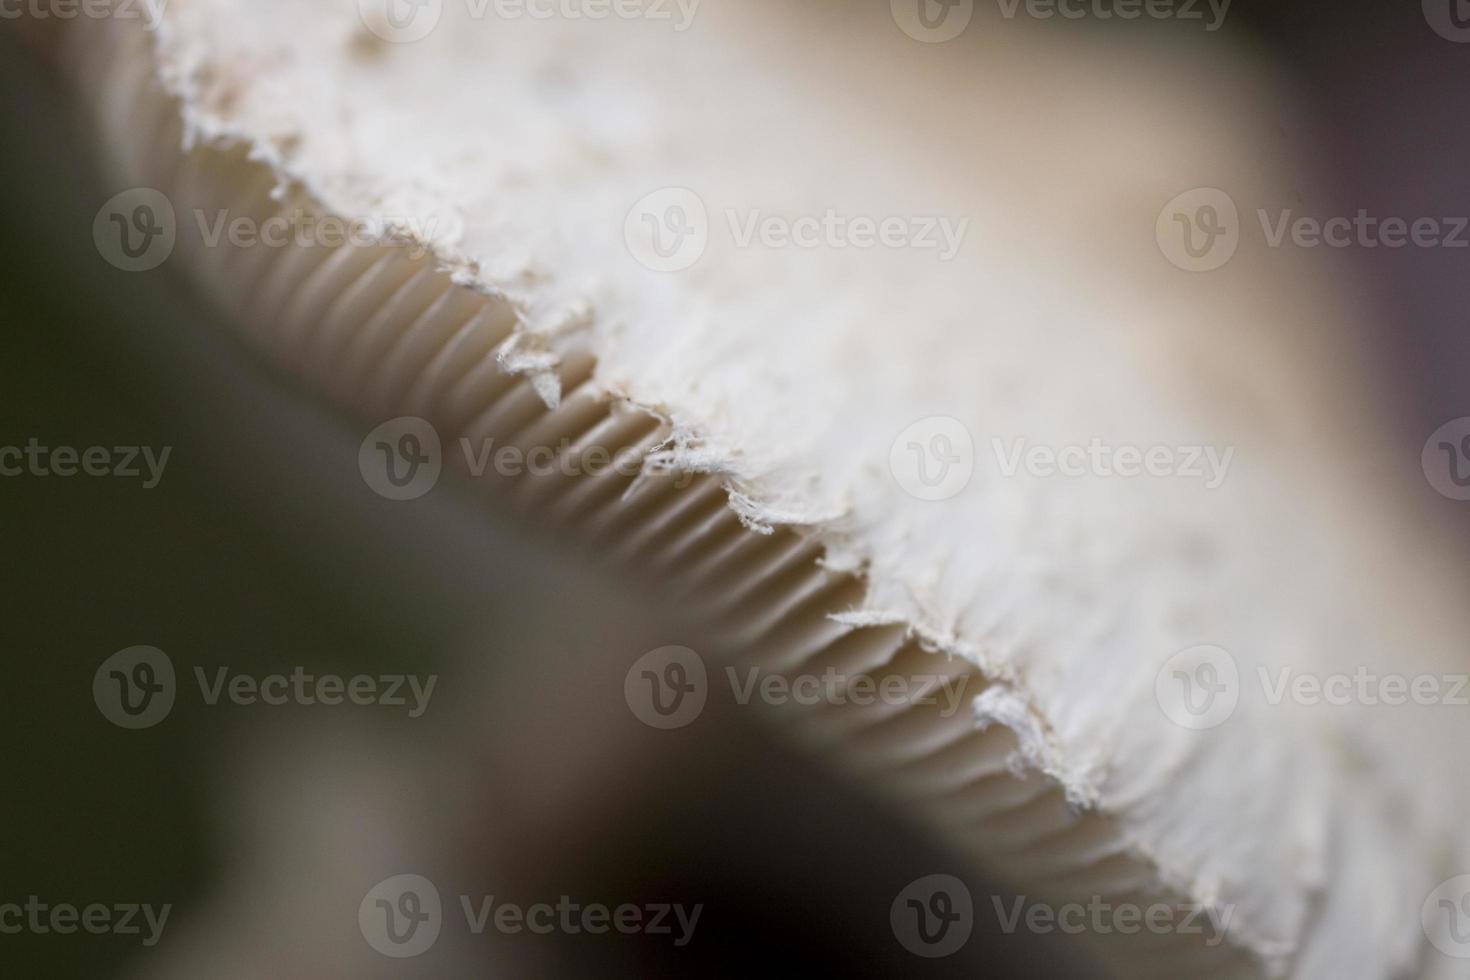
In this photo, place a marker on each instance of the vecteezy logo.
(667, 688)
(401, 916)
(1199, 230)
(934, 458)
(136, 230)
(933, 916)
(668, 230)
(1450, 19)
(134, 688)
(1199, 687)
(1445, 917)
(401, 459)
(400, 21)
(932, 21)
(1446, 459)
